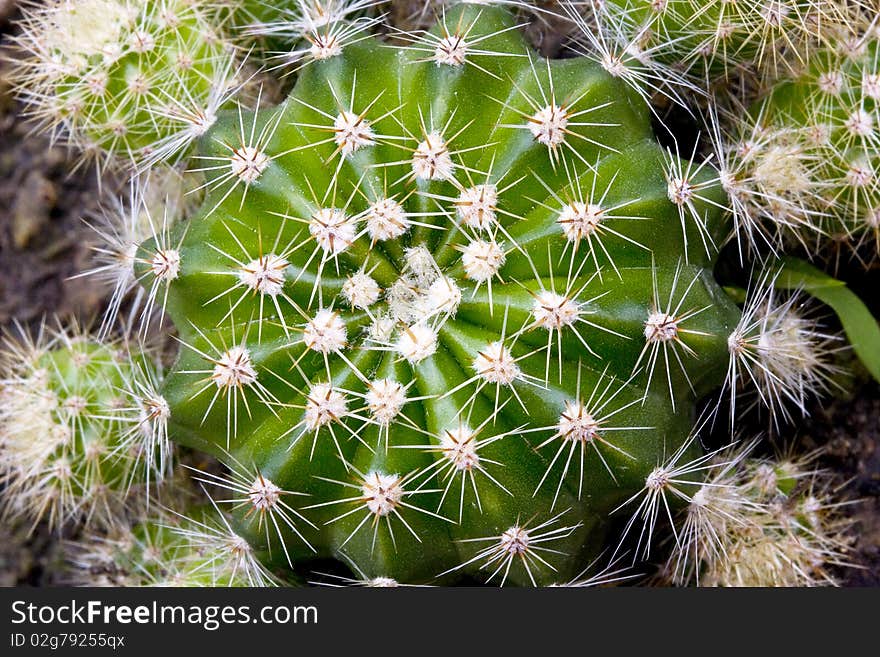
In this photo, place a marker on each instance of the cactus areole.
(444, 309)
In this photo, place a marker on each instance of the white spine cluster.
(432, 159)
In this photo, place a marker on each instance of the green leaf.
(861, 328)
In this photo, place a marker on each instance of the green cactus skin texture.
(342, 262)
(134, 79)
(84, 428)
(820, 130)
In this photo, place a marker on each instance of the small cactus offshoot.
(168, 549)
(762, 522)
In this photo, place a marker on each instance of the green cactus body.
(825, 121)
(137, 79)
(83, 427)
(452, 333)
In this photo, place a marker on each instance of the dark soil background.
(43, 242)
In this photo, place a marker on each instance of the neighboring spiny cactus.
(167, 549)
(716, 38)
(130, 81)
(82, 426)
(447, 308)
(762, 522)
(809, 154)
(626, 53)
(296, 19)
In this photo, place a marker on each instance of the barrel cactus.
(446, 311)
